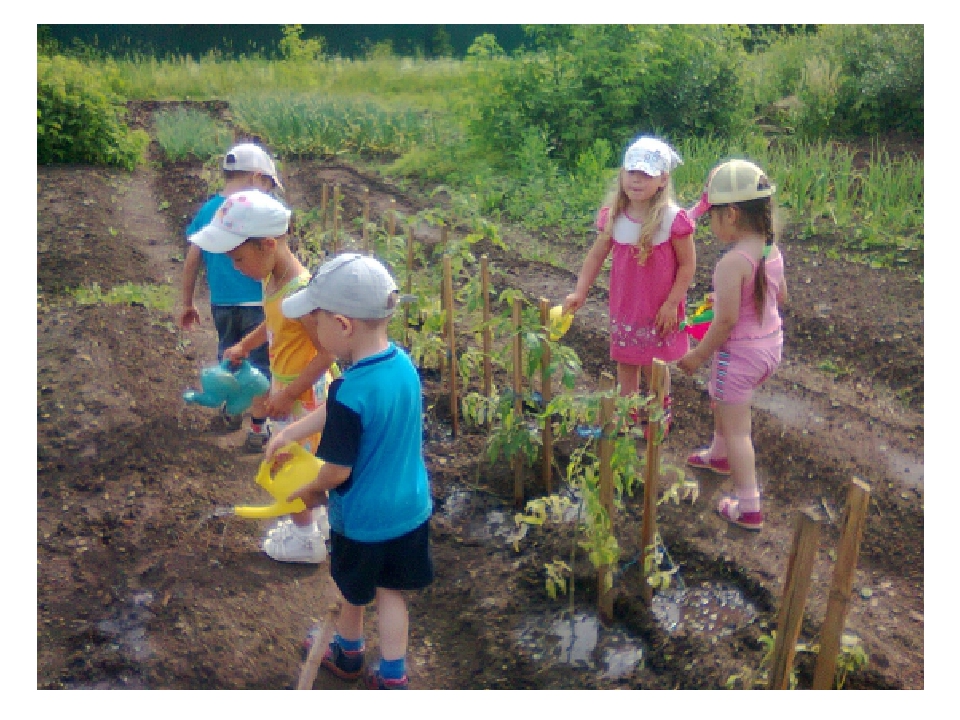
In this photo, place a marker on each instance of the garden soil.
(141, 583)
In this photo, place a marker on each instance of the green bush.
(614, 82)
(80, 119)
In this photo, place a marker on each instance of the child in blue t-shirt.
(236, 301)
(379, 503)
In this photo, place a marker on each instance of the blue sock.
(348, 645)
(393, 669)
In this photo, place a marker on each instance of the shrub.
(79, 118)
(614, 82)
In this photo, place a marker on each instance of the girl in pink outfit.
(745, 340)
(653, 264)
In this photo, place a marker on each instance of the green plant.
(81, 119)
(157, 297)
(184, 133)
(294, 47)
(851, 658)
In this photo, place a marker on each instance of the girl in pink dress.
(653, 264)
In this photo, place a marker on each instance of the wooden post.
(392, 218)
(336, 218)
(364, 232)
(831, 632)
(324, 203)
(518, 494)
(790, 617)
(487, 334)
(651, 478)
(451, 343)
(442, 356)
(546, 392)
(322, 638)
(408, 287)
(608, 406)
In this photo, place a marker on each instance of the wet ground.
(140, 585)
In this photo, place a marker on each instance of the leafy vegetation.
(80, 118)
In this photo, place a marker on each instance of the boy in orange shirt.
(250, 228)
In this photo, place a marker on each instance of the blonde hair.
(650, 224)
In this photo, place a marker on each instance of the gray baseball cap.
(353, 285)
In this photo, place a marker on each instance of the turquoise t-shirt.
(228, 286)
(375, 427)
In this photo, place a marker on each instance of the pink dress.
(637, 291)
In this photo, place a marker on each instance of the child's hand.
(689, 363)
(666, 321)
(274, 444)
(278, 405)
(189, 318)
(572, 303)
(235, 354)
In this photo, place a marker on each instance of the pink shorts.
(741, 366)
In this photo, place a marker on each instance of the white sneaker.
(281, 522)
(289, 543)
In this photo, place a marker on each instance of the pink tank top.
(749, 326)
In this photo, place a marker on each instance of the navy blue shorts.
(233, 322)
(359, 568)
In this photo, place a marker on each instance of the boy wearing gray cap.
(379, 503)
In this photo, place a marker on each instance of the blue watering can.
(234, 388)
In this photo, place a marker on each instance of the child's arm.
(588, 273)
(191, 271)
(297, 431)
(667, 320)
(730, 274)
(280, 403)
(250, 342)
(329, 477)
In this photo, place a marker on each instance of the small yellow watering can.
(559, 322)
(296, 472)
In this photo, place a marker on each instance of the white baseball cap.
(652, 156)
(738, 181)
(244, 215)
(356, 286)
(251, 158)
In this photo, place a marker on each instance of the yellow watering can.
(559, 322)
(296, 472)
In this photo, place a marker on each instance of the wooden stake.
(392, 218)
(831, 632)
(308, 671)
(324, 202)
(451, 343)
(607, 439)
(365, 234)
(518, 494)
(659, 377)
(487, 335)
(409, 286)
(336, 218)
(790, 617)
(546, 392)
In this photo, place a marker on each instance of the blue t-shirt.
(375, 427)
(228, 286)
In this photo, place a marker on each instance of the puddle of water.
(712, 610)
(904, 468)
(795, 412)
(127, 627)
(582, 641)
(800, 414)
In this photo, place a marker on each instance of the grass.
(156, 297)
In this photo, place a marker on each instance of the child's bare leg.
(350, 621)
(628, 378)
(258, 408)
(718, 447)
(394, 623)
(734, 426)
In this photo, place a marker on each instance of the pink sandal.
(729, 510)
(700, 459)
